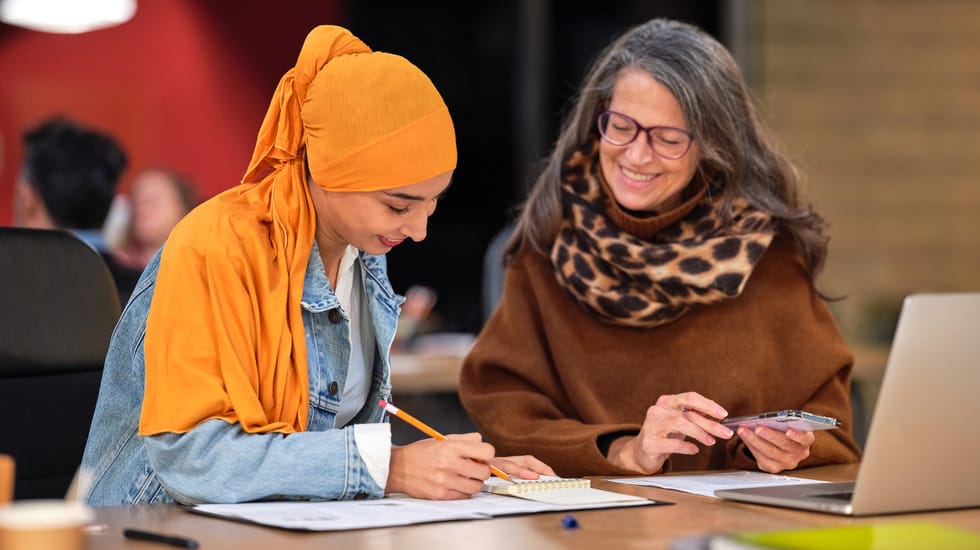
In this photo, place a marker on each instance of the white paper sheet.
(706, 484)
(387, 512)
(337, 515)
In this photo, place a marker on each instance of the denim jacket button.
(333, 388)
(334, 316)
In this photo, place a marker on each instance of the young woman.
(250, 361)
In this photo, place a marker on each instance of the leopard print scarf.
(626, 280)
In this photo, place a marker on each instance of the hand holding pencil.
(428, 430)
(432, 469)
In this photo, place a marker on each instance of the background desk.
(425, 373)
(424, 384)
(642, 527)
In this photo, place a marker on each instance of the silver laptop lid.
(923, 446)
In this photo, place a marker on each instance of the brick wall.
(878, 102)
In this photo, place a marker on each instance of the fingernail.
(727, 432)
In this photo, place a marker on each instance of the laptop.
(924, 440)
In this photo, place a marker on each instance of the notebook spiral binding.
(526, 486)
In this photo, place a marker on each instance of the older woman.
(661, 278)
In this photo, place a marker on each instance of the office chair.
(493, 270)
(58, 307)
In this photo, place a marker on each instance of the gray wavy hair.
(738, 157)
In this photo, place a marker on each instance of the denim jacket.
(217, 461)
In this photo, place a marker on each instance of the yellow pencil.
(428, 430)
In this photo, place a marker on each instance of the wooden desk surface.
(640, 527)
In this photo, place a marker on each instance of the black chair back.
(58, 307)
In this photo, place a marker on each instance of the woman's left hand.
(524, 466)
(776, 451)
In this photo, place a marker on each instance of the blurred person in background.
(68, 180)
(141, 219)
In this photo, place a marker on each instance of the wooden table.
(640, 527)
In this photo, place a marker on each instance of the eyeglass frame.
(646, 130)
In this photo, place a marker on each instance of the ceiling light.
(66, 16)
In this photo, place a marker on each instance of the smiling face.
(376, 221)
(640, 179)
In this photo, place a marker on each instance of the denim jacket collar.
(319, 296)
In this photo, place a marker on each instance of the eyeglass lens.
(620, 129)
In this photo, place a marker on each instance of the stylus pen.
(180, 542)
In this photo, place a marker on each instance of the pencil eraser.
(382, 403)
(569, 522)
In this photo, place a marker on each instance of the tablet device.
(784, 420)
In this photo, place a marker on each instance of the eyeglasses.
(666, 141)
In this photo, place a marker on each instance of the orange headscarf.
(224, 334)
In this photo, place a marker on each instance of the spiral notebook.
(556, 490)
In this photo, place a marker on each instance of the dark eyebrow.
(405, 196)
(408, 197)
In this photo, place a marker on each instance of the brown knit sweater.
(547, 378)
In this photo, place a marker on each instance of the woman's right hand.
(665, 430)
(440, 470)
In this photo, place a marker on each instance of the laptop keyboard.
(846, 496)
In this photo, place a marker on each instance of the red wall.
(184, 83)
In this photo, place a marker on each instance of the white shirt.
(373, 440)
